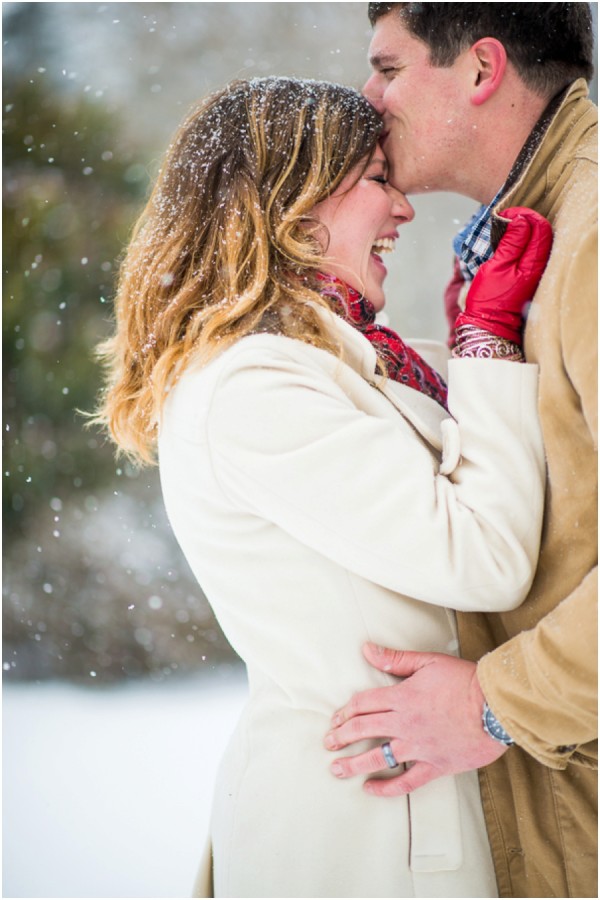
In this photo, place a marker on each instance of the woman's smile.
(362, 217)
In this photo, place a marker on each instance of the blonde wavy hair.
(226, 245)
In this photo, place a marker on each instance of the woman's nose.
(401, 206)
(373, 91)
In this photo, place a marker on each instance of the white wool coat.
(320, 508)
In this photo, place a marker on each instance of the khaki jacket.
(320, 508)
(541, 681)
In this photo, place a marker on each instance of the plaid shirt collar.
(473, 244)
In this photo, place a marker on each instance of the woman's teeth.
(383, 245)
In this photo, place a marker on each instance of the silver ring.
(388, 755)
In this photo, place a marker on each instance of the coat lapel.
(423, 413)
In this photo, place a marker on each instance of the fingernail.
(329, 741)
(337, 720)
(337, 770)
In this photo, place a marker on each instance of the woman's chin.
(377, 300)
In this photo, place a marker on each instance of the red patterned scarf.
(403, 364)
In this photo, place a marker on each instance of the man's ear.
(488, 57)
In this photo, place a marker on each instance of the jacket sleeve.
(542, 684)
(289, 446)
(580, 344)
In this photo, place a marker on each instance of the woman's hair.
(549, 44)
(226, 245)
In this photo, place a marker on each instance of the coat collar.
(423, 413)
(575, 116)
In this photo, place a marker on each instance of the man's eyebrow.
(383, 60)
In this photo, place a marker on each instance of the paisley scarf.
(402, 363)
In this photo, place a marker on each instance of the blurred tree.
(71, 189)
(95, 586)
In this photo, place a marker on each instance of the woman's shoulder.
(267, 350)
(262, 378)
(246, 367)
(261, 351)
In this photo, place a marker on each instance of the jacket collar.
(575, 116)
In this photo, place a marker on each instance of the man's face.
(426, 111)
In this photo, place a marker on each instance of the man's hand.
(432, 720)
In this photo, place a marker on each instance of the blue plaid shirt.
(472, 244)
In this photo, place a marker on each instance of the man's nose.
(373, 91)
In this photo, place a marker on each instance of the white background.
(107, 791)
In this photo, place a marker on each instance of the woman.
(321, 491)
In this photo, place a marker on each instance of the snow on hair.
(226, 245)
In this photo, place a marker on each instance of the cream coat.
(317, 512)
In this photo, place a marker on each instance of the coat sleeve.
(289, 446)
(542, 684)
(579, 332)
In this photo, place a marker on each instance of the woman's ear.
(489, 65)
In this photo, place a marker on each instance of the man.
(490, 100)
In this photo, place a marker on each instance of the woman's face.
(362, 217)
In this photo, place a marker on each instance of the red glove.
(451, 295)
(506, 283)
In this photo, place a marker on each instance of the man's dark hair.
(549, 44)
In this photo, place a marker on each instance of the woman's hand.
(505, 284)
(452, 293)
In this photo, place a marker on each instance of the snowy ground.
(107, 791)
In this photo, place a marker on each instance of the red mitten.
(507, 282)
(451, 295)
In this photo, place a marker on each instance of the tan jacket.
(541, 682)
(318, 512)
